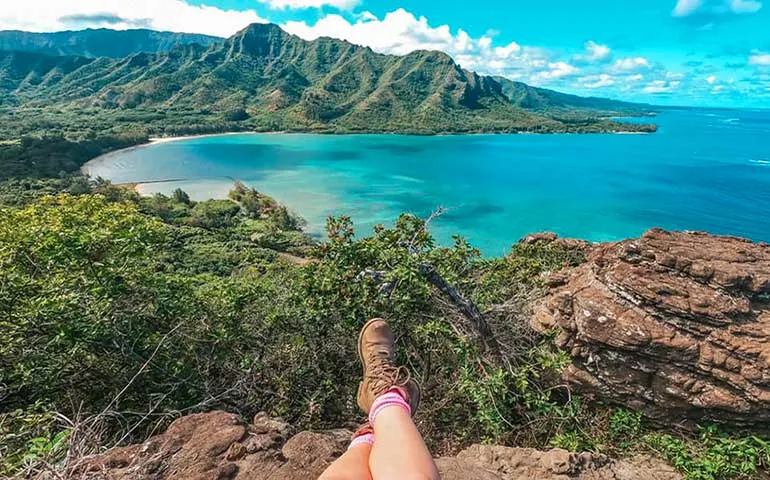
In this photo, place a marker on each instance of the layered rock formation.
(218, 446)
(676, 324)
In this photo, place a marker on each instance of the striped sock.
(392, 398)
(365, 439)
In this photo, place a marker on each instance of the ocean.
(704, 170)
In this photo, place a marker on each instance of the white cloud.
(631, 64)
(661, 86)
(510, 49)
(711, 79)
(302, 4)
(745, 6)
(717, 89)
(597, 52)
(172, 15)
(557, 70)
(367, 15)
(759, 59)
(597, 81)
(400, 32)
(686, 8)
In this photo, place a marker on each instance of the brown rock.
(486, 462)
(540, 237)
(677, 324)
(184, 452)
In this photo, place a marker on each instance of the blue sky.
(672, 52)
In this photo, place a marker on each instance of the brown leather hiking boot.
(377, 351)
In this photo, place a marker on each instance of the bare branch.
(467, 307)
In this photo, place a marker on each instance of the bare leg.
(399, 453)
(352, 465)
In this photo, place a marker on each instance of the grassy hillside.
(265, 79)
(550, 101)
(102, 42)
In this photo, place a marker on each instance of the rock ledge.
(222, 446)
(675, 324)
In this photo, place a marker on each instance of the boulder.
(674, 324)
(221, 446)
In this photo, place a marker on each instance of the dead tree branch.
(468, 308)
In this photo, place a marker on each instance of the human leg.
(354, 463)
(400, 452)
(390, 396)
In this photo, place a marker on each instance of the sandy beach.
(155, 140)
(85, 169)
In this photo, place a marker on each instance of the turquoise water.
(704, 170)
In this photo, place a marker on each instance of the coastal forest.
(122, 313)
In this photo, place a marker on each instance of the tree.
(181, 196)
(214, 214)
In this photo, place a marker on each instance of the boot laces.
(383, 375)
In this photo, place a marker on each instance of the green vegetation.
(55, 156)
(115, 306)
(263, 79)
(121, 313)
(566, 106)
(713, 455)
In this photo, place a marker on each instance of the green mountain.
(544, 100)
(99, 42)
(266, 79)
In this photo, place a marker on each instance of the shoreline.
(159, 140)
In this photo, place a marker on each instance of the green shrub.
(213, 214)
(714, 455)
(28, 437)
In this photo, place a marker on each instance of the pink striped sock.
(392, 398)
(366, 439)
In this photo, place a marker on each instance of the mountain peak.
(259, 39)
(261, 29)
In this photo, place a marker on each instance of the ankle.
(393, 398)
(363, 439)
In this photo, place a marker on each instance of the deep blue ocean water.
(704, 170)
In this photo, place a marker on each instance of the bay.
(704, 170)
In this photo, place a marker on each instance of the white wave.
(406, 178)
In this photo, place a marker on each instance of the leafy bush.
(28, 437)
(714, 455)
(213, 214)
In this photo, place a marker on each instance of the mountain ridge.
(99, 42)
(263, 78)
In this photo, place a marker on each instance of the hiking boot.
(377, 351)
